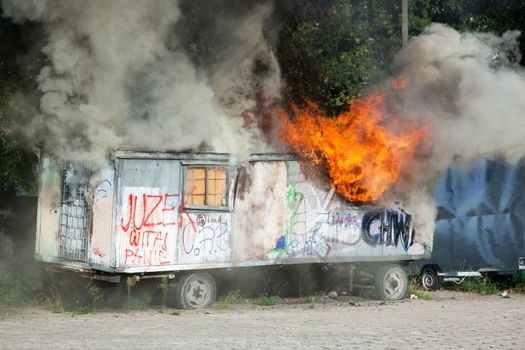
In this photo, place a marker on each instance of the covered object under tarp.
(480, 225)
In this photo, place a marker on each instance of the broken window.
(206, 186)
(73, 229)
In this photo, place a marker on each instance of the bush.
(268, 300)
(233, 297)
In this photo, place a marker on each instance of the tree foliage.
(495, 16)
(330, 50)
(16, 161)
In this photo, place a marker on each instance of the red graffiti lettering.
(98, 252)
(166, 209)
(147, 257)
(151, 211)
(157, 200)
(146, 223)
(162, 239)
(142, 238)
(183, 211)
(127, 254)
(134, 238)
(132, 204)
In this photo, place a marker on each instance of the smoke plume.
(468, 89)
(140, 75)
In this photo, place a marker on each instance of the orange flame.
(361, 154)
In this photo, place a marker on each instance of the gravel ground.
(449, 320)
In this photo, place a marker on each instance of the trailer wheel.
(391, 282)
(430, 279)
(195, 291)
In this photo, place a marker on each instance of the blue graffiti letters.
(211, 237)
(387, 227)
(370, 219)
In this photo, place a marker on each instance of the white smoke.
(468, 89)
(118, 78)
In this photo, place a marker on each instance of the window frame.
(206, 206)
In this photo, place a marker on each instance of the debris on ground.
(332, 294)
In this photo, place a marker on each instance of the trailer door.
(147, 213)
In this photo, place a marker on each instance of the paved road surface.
(450, 320)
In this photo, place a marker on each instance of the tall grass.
(483, 286)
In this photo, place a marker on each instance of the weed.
(314, 298)
(136, 303)
(95, 293)
(415, 288)
(53, 300)
(130, 282)
(476, 285)
(233, 297)
(140, 303)
(164, 288)
(268, 300)
(78, 308)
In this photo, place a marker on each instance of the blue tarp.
(481, 216)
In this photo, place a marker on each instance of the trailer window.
(206, 186)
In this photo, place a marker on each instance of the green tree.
(16, 161)
(495, 16)
(330, 51)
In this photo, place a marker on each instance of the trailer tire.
(391, 282)
(195, 291)
(430, 279)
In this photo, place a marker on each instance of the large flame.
(361, 154)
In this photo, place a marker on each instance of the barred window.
(206, 186)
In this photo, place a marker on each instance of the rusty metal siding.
(101, 253)
(46, 245)
(259, 213)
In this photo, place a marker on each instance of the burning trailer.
(189, 215)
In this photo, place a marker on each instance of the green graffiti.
(293, 201)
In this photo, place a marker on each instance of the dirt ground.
(449, 320)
